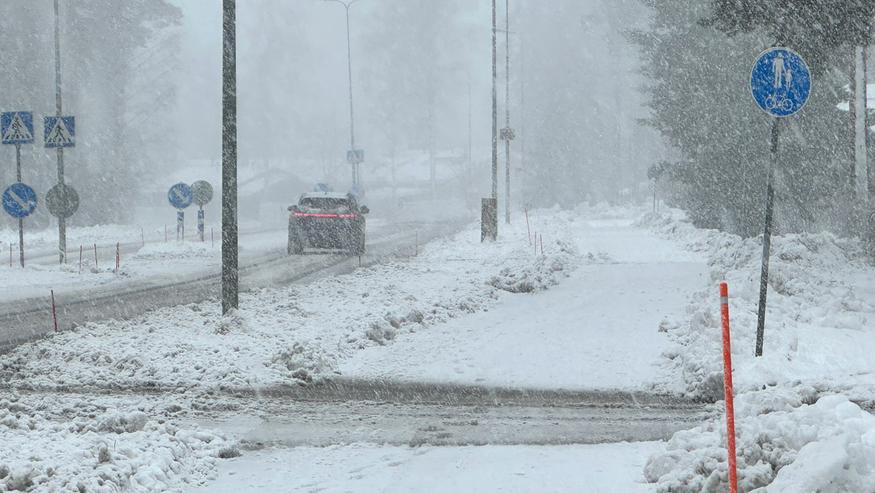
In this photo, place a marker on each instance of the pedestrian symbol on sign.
(60, 131)
(16, 127)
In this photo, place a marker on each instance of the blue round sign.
(180, 196)
(780, 82)
(19, 200)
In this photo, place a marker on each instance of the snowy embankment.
(819, 323)
(794, 432)
(298, 333)
(56, 443)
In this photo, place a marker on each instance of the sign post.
(780, 83)
(19, 201)
(180, 197)
(16, 128)
(202, 193)
(59, 132)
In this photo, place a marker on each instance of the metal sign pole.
(767, 236)
(780, 86)
(200, 223)
(20, 219)
(230, 298)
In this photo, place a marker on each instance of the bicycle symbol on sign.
(783, 75)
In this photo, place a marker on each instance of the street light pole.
(230, 273)
(489, 206)
(508, 135)
(355, 163)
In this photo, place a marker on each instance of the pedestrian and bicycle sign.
(780, 82)
(19, 200)
(59, 131)
(16, 127)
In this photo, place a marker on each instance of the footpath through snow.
(598, 329)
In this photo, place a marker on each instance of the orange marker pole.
(727, 388)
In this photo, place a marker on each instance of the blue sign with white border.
(780, 82)
(180, 196)
(16, 127)
(19, 200)
(59, 131)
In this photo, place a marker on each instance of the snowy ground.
(585, 314)
(597, 329)
(156, 259)
(68, 443)
(592, 468)
(796, 429)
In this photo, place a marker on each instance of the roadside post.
(16, 128)
(202, 194)
(180, 197)
(780, 83)
(727, 388)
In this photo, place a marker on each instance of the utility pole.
(507, 132)
(489, 207)
(62, 221)
(230, 273)
(354, 157)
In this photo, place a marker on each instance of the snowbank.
(784, 445)
(83, 446)
(794, 433)
(821, 301)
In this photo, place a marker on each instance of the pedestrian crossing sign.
(60, 131)
(16, 127)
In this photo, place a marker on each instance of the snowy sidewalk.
(596, 329)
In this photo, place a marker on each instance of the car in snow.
(327, 220)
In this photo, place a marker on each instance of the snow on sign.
(16, 127)
(780, 82)
(60, 131)
(19, 200)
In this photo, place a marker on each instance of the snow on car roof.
(330, 195)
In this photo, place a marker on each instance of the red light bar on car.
(340, 216)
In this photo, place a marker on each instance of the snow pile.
(176, 250)
(820, 304)
(88, 447)
(783, 445)
(539, 275)
(298, 333)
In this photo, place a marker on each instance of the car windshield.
(324, 203)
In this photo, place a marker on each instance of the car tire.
(357, 240)
(296, 243)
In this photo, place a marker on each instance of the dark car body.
(327, 220)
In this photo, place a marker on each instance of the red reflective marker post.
(54, 311)
(727, 388)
